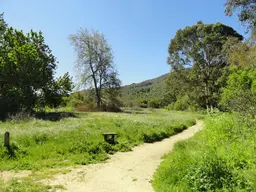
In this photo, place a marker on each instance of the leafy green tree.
(54, 94)
(27, 68)
(240, 93)
(197, 50)
(240, 54)
(95, 65)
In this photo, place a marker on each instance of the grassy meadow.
(220, 158)
(77, 140)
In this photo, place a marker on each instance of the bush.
(239, 94)
(182, 104)
(143, 103)
(169, 107)
(154, 103)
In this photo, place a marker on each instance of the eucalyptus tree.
(197, 51)
(246, 10)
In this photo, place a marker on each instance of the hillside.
(146, 90)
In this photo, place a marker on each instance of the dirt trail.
(123, 172)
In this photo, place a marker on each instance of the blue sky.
(139, 31)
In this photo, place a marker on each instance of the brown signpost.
(7, 139)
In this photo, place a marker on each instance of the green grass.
(37, 144)
(220, 158)
(28, 185)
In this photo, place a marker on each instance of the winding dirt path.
(123, 172)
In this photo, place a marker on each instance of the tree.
(240, 92)
(95, 65)
(198, 50)
(240, 54)
(54, 94)
(246, 11)
(27, 68)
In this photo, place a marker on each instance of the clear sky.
(138, 31)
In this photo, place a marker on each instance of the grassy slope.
(149, 89)
(37, 143)
(220, 158)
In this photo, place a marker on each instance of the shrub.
(182, 104)
(239, 94)
(143, 103)
(154, 103)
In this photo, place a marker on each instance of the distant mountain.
(146, 90)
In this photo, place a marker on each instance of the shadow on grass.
(54, 116)
(135, 112)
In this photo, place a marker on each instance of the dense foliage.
(198, 65)
(27, 69)
(240, 92)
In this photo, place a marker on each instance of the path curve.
(123, 172)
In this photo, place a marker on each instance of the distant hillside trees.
(95, 67)
(149, 93)
(199, 68)
(27, 68)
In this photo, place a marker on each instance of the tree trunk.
(98, 95)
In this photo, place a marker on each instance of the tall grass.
(220, 158)
(36, 143)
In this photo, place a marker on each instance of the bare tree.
(94, 63)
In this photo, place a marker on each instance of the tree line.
(212, 66)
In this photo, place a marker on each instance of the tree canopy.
(196, 52)
(27, 68)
